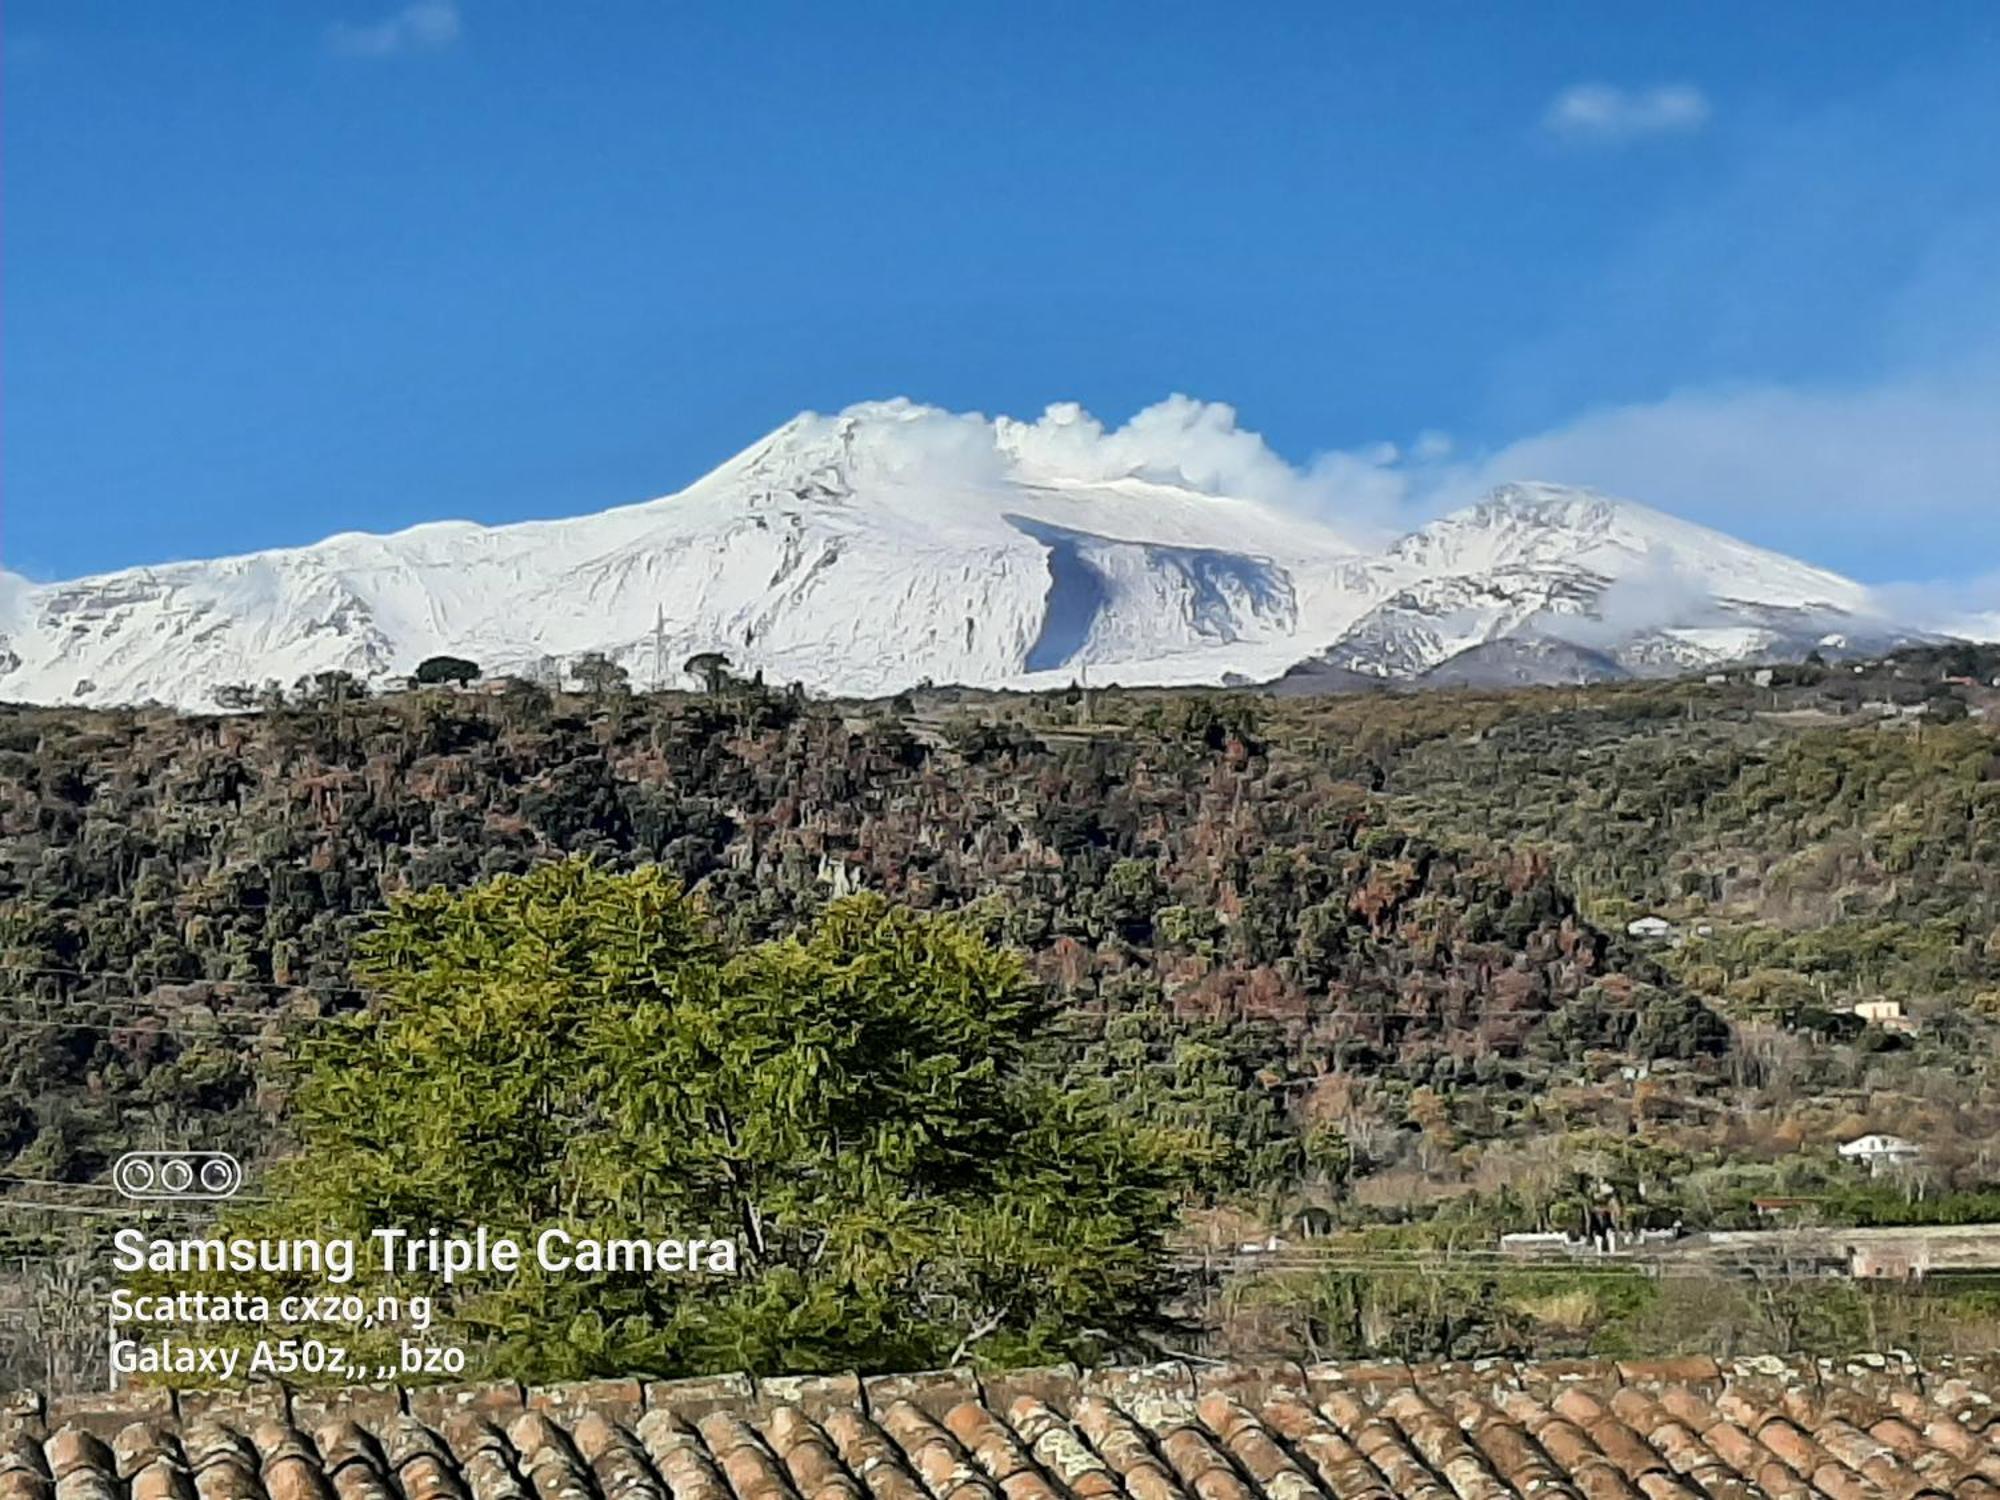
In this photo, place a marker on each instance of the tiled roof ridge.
(1875, 1427)
(1172, 1383)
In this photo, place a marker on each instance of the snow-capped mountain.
(1654, 593)
(865, 552)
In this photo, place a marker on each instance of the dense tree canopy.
(577, 1048)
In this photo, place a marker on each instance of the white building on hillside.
(1881, 1153)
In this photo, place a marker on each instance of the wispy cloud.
(1180, 441)
(1951, 606)
(422, 26)
(1840, 474)
(1604, 114)
(1802, 348)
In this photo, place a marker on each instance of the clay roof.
(1600, 1431)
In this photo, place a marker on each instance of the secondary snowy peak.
(865, 551)
(1529, 526)
(1656, 593)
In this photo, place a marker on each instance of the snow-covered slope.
(864, 552)
(1655, 593)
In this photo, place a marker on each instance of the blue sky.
(273, 271)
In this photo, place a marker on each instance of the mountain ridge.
(863, 552)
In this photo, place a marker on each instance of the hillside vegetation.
(1362, 961)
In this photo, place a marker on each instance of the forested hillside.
(1364, 958)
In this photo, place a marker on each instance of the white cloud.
(1837, 474)
(422, 26)
(14, 588)
(1951, 606)
(1432, 446)
(1182, 440)
(1904, 469)
(1802, 349)
(1658, 592)
(1201, 444)
(1602, 113)
(1841, 478)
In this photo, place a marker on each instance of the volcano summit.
(866, 552)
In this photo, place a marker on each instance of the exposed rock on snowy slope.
(865, 552)
(1524, 661)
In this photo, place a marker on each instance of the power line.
(1648, 1269)
(108, 1029)
(159, 981)
(1447, 1012)
(150, 1005)
(87, 1013)
(1433, 1259)
(16, 1180)
(1435, 1013)
(1086, 1022)
(161, 1008)
(1069, 1026)
(159, 1205)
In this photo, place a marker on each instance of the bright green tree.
(574, 1047)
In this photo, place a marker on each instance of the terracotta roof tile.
(1060, 1451)
(1755, 1429)
(1696, 1370)
(105, 1414)
(679, 1458)
(438, 1405)
(1684, 1447)
(748, 1466)
(1127, 1447)
(815, 1395)
(933, 1391)
(939, 1459)
(1201, 1466)
(1341, 1468)
(240, 1408)
(1511, 1450)
(1386, 1448)
(368, 1405)
(417, 1463)
(624, 1400)
(617, 1462)
(997, 1449)
(870, 1456)
(163, 1479)
(485, 1458)
(1255, 1449)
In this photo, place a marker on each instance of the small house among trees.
(1881, 1153)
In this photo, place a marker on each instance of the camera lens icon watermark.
(185, 1176)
